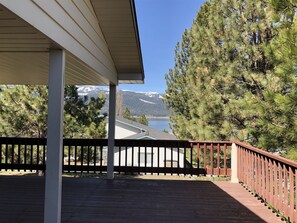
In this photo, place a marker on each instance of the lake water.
(160, 124)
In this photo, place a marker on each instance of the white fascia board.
(131, 77)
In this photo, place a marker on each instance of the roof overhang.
(25, 43)
(117, 19)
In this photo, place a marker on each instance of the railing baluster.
(12, 155)
(95, 158)
(266, 180)
(211, 158)
(139, 159)
(285, 188)
(101, 158)
(158, 148)
(75, 157)
(178, 158)
(191, 160)
(31, 156)
(1, 155)
(19, 155)
(6, 155)
(88, 158)
(204, 156)
(152, 159)
(44, 155)
(225, 159)
(81, 158)
(69, 157)
(126, 159)
(262, 177)
(132, 156)
(145, 158)
(294, 219)
(291, 194)
(37, 155)
(120, 157)
(171, 161)
(219, 158)
(165, 158)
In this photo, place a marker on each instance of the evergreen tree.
(178, 93)
(127, 115)
(278, 122)
(82, 115)
(24, 113)
(143, 120)
(226, 71)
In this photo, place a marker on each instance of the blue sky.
(161, 24)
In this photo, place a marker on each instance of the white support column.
(111, 131)
(234, 164)
(53, 174)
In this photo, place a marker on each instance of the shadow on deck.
(132, 200)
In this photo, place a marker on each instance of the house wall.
(123, 130)
(120, 157)
(73, 26)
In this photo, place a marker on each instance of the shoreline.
(158, 117)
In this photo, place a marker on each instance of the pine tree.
(278, 122)
(143, 120)
(127, 115)
(82, 115)
(177, 92)
(226, 70)
(24, 113)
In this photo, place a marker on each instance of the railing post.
(234, 164)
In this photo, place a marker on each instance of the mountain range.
(148, 103)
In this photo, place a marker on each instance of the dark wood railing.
(22, 153)
(271, 177)
(131, 156)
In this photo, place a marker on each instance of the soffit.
(117, 20)
(24, 51)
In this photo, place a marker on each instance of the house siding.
(73, 26)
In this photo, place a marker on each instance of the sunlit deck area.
(133, 200)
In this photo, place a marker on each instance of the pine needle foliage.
(235, 74)
(23, 113)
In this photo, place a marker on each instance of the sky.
(161, 24)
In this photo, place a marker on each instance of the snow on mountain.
(148, 103)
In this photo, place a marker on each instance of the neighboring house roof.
(139, 131)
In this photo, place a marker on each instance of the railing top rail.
(267, 154)
(22, 140)
(153, 143)
(210, 142)
(98, 142)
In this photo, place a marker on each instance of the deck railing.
(131, 156)
(271, 177)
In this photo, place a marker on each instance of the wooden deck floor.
(130, 200)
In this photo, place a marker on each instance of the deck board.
(132, 200)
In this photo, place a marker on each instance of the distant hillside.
(148, 103)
